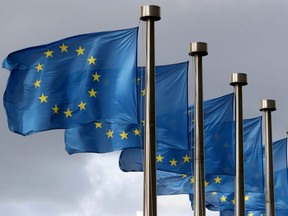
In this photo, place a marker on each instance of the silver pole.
(238, 80)
(150, 14)
(267, 106)
(199, 49)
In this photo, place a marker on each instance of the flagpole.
(197, 50)
(150, 14)
(267, 106)
(238, 80)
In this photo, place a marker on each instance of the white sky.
(38, 178)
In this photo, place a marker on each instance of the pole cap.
(238, 79)
(198, 48)
(268, 105)
(150, 12)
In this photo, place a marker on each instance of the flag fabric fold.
(170, 79)
(72, 82)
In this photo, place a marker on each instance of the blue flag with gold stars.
(256, 201)
(175, 167)
(218, 119)
(171, 90)
(72, 82)
(215, 182)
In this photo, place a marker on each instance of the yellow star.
(39, 67)
(92, 93)
(247, 198)
(250, 214)
(159, 158)
(214, 193)
(173, 162)
(98, 124)
(192, 180)
(96, 77)
(186, 158)
(63, 48)
(68, 113)
(136, 132)
(184, 175)
(55, 109)
(37, 83)
(233, 201)
(143, 92)
(124, 135)
(109, 134)
(82, 105)
(48, 53)
(80, 51)
(92, 60)
(43, 98)
(223, 198)
(217, 180)
(206, 183)
(143, 123)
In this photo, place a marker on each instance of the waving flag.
(171, 118)
(72, 82)
(218, 115)
(174, 167)
(256, 201)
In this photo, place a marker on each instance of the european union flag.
(171, 104)
(256, 201)
(175, 167)
(72, 82)
(218, 117)
(218, 134)
(171, 90)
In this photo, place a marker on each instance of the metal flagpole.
(150, 14)
(238, 80)
(199, 49)
(267, 106)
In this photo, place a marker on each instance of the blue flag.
(174, 166)
(253, 162)
(218, 134)
(218, 115)
(171, 90)
(256, 201)
(72, 82)
(171, 104)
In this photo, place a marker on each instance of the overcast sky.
(37, 176)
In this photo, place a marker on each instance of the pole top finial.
(198, 48)
(238, 79)
(268, 105)
(150, 12)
